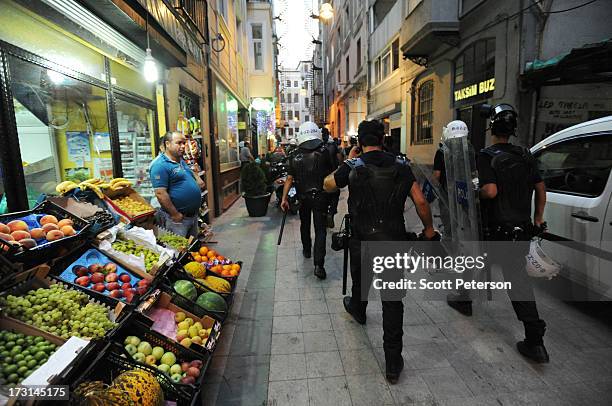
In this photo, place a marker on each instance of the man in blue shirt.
(177, 187)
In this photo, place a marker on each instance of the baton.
(346, 256)
(280, 234)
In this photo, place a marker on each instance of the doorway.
(476, 124)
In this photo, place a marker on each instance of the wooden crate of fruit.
(128, 203)
(36, 236)
(198, 333)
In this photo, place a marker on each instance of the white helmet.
(540, 265)
(454, 129)
(292, 141)
(308, 131)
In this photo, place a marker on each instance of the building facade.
(295, 88)
(262, 75)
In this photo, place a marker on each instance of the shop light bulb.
(326, 12)
(55, 77)
(150, 68)
(232, 105)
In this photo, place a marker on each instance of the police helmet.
(503, 118)
(308, 131)
(539, 264)
(454, 129)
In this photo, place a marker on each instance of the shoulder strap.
(355, 163)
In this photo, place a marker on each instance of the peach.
(6, 237)
(48, 219)
(38, 233)
(65, 222)
(54, 235)
(20, 235)
(4, 229)
(28, 243)
(49, 227)
(18, 225)
(67, 230)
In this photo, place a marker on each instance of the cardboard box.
(111, 195)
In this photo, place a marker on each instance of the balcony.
(430, 24)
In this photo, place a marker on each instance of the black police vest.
(310, 168)
(376, 199)
(514, 170)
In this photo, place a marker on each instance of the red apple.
(126, 286)
(185, 366)
(99, 287)
(97, 277)
(80, 270)
(116, 294)
(82, 281)
(125, 278)
(110, 267)
(112, 286)
(196, 363)
(188, 380)
(93, 268)
(141, 290)
(192, 371)
(129, 295)
(111, 277)
(144, 282)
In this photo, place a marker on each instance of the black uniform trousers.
(393, 311)
(315, 209)
(334, 198)
(510, 255)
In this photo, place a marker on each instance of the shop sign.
(476, 89)
(241, 125)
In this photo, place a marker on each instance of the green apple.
(145, 348)
(179, 316)
(158, 352)
(193, 331)
(168, 358)
(131, 349)
(128, 340)
(139, 356)
(183, 325)
(164, 368)
(150, 359)
(176, 377)
(135, 341)
(175, 369)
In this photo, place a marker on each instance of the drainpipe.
(214, 156)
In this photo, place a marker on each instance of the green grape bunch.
(129, 247)
(175, 241)
(59, 311)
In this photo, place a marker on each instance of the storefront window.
(227, 121)
(62, 126)
(131, 80)
(20, 28)
(425, 113)
(137, 146)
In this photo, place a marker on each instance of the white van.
(575, 164)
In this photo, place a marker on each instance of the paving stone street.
(290, 342)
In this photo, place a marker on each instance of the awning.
(385, 111)
(587, 64)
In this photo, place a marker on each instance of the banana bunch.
(119, 183)
(93, 187)
(66, 187)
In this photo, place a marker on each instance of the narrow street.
(290, 342)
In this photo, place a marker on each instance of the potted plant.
(254, 189)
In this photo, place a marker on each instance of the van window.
(577, 166)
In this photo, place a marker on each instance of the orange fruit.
(225, 272)
(235, 267)
(211, 253)
(220, 257)
(203, 250)
(233, 272)
(197, 258)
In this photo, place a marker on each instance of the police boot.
(358, 316)
(532, 346)
(319, 272)
(460, 302)
(393, 367)
(330, 221)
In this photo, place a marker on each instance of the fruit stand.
(121, 315)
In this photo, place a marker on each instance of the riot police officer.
(508, 176)
(308, 166)
(335, 157)
(379, 184)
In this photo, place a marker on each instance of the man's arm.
(488, 191)
(422, 209)
(540, 202)
(286, 187)
(166, 203)
(199, 180)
